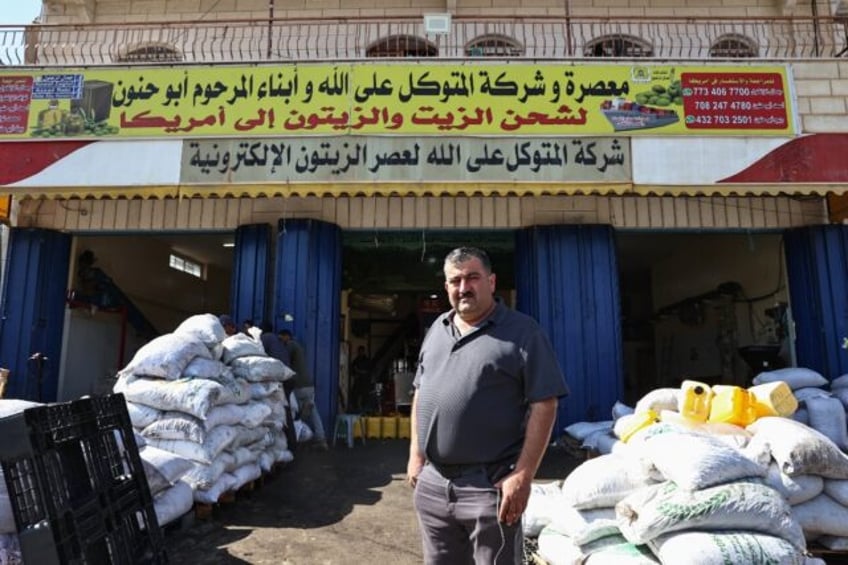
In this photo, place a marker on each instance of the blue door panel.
(33, 311)
(567, 278)
(251, 269)
(307, 298)
(817, 269)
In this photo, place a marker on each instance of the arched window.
(733, 46)
(152, 52)
(402, 46)
(618, 45)
(493, 46)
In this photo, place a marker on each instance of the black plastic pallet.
(77, 485)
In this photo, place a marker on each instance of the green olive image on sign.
(660, 95)
(649, 108)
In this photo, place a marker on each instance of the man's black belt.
(495, 471)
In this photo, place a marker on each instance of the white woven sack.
(827, 415)
(261, 391)
(837, 489)
(822, 516)
(11, 406)
(541, 508)
(283, 456)
(195, 396)
(245, 474)
(203, 476)
(165, 357)
(266, 461)
(799, 449)
(601, 441)
(162, 468)
(205, 328)
(622, 553)
(217, 440)
(247, 436)
(734, 547)
(695, 461)
(839, 382)
(234, 391)
(582, 430)
(620, 409)
(602, 481)
(842, 394)
(142, 416)
(556, 548)
(658, 400)
(258, 368)
(10, 550)
(240, 345)
(797, 489)
(241, 456)
(173, 503)
(802, 416)
(225, 483)
(203, 368)
(176, 425)
(660, 509)
(802, 395)
(795, 377)
(586, 526)
(225, 415)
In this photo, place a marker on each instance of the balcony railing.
(253, 41)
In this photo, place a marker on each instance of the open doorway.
(393, 289)
(709, 307)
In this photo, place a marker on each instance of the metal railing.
(253, 41)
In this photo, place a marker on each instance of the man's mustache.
(466, 294)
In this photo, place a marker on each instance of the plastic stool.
(346, 424)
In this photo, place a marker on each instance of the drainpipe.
(569, 51)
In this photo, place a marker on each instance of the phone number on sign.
(731, 120)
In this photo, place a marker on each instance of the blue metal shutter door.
(817, 269)
(251, 269)
(33, 310)
(307, 301)
(567, 279)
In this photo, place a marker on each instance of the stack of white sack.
(10, 549)
(674, 495)
(186, 399)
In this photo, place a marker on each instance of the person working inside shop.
(304, 390)
(486, 395)
(361, 371)
(275, 348)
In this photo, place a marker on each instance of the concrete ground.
(344, 506)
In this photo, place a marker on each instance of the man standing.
(485, 403)
(304, 389)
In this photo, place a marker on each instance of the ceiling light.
(229, 244)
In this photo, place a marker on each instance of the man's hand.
(515, 492)
(413, 468)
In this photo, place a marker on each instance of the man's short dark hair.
(285, 333)
(226, 320)
(463, 254)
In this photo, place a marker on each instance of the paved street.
(344, 506)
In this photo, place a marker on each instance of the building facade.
(669, 177)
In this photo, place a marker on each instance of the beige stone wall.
(77, 11)
(822, 94)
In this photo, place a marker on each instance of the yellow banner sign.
(429, 99)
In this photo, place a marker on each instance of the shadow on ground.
(344, 506)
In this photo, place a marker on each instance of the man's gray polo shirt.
(473, 392)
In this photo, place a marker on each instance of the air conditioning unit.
(437, 24)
